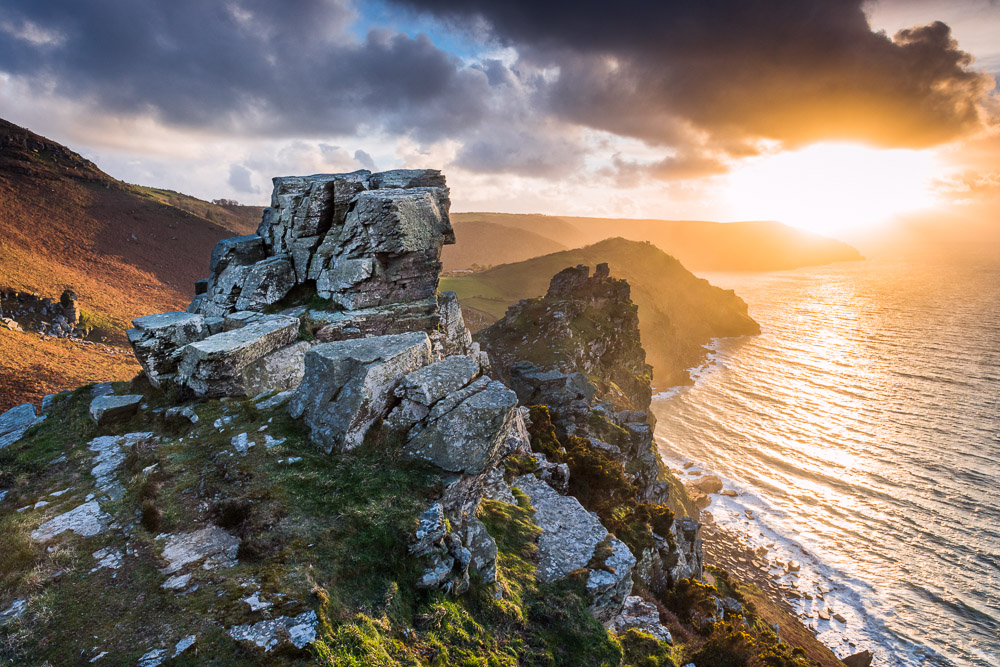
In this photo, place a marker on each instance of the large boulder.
(267, 282)
(157, 338)
(277, 371)
(218, 365)
(470, 436)
(571, 538)
(348, 385)
(232, 262)
(643, 616)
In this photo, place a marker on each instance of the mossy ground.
(325, 532)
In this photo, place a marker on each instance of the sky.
(832, 115)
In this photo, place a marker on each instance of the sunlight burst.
(833, 188)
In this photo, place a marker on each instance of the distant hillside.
(699, 245)
(678, 312)
(126, 251)
(476, 240)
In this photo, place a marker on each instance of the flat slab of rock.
(86, 520)
(216, 366)
(212, 546)
(109, 409)
(348, 385)
(15, 422)
(300, 631)
(430, 384)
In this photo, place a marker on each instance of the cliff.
(318, 465)
(679, 313)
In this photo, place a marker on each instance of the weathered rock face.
(15, 422)
(643, 616)
(571, 539)
(157, 339)
(584, 324)
(348, 385)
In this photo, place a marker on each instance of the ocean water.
(862, 430)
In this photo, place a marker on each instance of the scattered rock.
(729, 493)
(153, 658)
(15, 422)
(16, 610)
(708, 484)
(109, 409)
(108, 557)
(86, 520)
(180, 414)
(211, 544)
(184, 645)
(300, 631)
(862, 659)
(256, 604)
(840, 617)
(278, 399)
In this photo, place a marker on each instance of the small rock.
(301, 631)
(14, 611)
(176, 582)
(181, 414)
(184, 645)
(85, 520)
(242, 443)
(153, 658)
(108, 409)
(840, 617)
(256, 604)
(862, 659)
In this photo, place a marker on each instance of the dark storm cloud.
(790, 70)
(279, 68)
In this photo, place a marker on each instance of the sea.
(861, 430)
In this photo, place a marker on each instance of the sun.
(833, 188)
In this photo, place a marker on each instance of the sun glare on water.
(833, 188)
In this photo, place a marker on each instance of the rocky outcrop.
(637, 614)
(368, 245)
(20, 311)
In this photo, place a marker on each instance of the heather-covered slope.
(678, 312)
(126, 251)
(699, 245)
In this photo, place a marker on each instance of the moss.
(543, 433)
(643, 650)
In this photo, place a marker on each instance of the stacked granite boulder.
(365, 246)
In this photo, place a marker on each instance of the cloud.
(365, 160)
(791, 71)
(239, 180)
(244, 67)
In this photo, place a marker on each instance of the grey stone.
(15, 610)
(240, 319)
(405, 229)
(277, 400)
(431, 383)
(153, 658)
(300, 631)
(15, 422)
(408, 178)
(85, 520)
(101, 389)
(640, 615)
(609, 586)
(157, 338)
(181, 414)
(570, 537)
(348, 385)
(470, 437)
(110, 409)
(217, 365)
(482, 549)
(279, 370)
(687, 543)
(267, 282)
(212, 546)
(452, 335)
